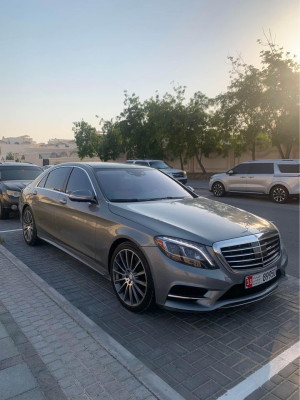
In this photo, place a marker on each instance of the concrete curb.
(159, 388)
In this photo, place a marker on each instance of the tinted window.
(261, 168)
(42, 182)
(78, 181)
(138, 185)
(241, 169)
(289, 168)
(19, 173)
(159, 165)
(145, 163)
(57, 178)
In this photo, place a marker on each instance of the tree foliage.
(260, 107)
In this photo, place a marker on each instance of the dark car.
(159, 242)
(177, 174)
(13, 178)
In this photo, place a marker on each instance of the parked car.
(277, 178)
(14, 177)
(177, 174)
(159, 242)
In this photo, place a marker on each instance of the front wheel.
(29, 227)
(218, 189)
(279, 194)
(131, 278)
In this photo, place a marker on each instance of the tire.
(3, 213)
(218, 189)
(29, 227)
(131, 278)
(279, 194)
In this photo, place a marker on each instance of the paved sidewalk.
(51, 350)
(45, 353)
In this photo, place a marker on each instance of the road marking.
(11, 230)
(264, 374)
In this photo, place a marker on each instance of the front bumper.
(208, 289)
(9, 203)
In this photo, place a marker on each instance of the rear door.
(260, 177)
(45, 200)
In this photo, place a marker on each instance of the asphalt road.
(284, 216)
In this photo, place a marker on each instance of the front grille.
(178, 174)
(255, 254)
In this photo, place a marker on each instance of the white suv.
(277, 178)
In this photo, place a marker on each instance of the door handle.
(63, 201)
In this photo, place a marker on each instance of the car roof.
(102, 165)
(17, 164)
(286, 161)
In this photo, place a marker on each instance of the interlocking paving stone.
(16, 380)
(229, 341)
(7, 349)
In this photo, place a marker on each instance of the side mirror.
(230, 172)
(190, 188)
(82, 196)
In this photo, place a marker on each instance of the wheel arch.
(274, 184)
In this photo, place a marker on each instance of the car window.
(56, 179)
(42, 181)
(145, 163)
(19, 173)
(78, 181)
(289, 168)
(241, 169)
(159, 165)
(261, 168)
(121, 185)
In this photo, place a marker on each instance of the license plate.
(259, 279)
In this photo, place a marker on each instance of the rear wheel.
(131, 278)
(3, 212)
(218, 189)
(29, 227)
(279, 194)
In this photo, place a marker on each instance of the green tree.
(109, 145)
(86, 138)
(280, 76)
(202, 136)
(9, 156)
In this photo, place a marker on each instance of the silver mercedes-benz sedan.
(157, 240)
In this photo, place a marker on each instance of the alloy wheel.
(129, 277)
(218, 189)
(279, 194)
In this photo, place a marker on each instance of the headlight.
(13, 193)
(185, 252)
(184, 172)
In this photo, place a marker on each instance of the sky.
(67, 60)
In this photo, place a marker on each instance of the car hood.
(200, 220)
(14, 185)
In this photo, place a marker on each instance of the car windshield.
(159, 164)
(129, 185)
(19, 173)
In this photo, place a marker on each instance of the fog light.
(14, 207)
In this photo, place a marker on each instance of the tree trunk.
(288, 150)
(253, 150)
(200, 163)
(279, 148)
(181, 161)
